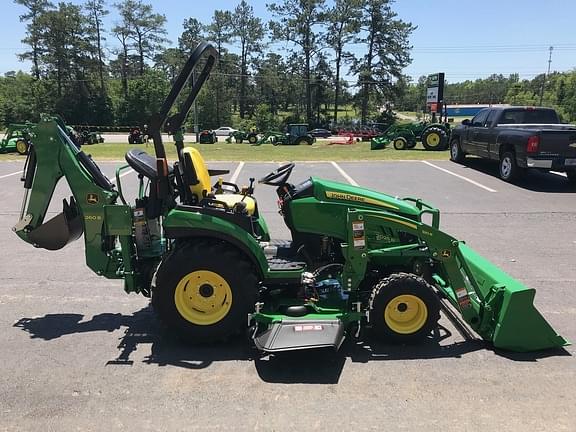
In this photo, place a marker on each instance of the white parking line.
(130, 171)
(236, 172)
(559, 173)
(344, 174)
(9, 175)
(475, 183)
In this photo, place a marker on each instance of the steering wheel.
(279, 176)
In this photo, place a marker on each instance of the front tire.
(400, 143)
(204, 291)
(508, 169)
(403, 309)
(456, 153)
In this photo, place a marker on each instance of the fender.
(189, 223)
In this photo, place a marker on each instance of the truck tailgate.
(554, 142)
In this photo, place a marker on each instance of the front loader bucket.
(509, 318)
(378, 143)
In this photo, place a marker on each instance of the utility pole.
(546, 76)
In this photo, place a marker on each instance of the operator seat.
(197, 178)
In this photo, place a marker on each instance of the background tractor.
(434, 136)
(91, 137)
(207, 137)
(240, 136)
(296, 134)
(137, 136)
(17, 138)
(357, 259)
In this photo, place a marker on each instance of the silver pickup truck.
(519, 138)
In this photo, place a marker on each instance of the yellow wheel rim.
(433, 139)
(405, 314)
(21, 146)
(399, 143)
(203, 297)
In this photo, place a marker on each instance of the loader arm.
(498, 307)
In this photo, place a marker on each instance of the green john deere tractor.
(202, 250)
(17, 138)
(296, 134)
(403, 136)
(240, 136)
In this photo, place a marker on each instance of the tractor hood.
(326, 190)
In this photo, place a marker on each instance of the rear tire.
(400, 143)
(252, 138)
(403, 309)
(508, 169)
(204, 291)
(434, 138)
(456, 153)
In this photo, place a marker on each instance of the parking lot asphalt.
(77, 353)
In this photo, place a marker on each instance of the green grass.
(267, 152)
(320, 151)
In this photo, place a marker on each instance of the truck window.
(480, 118)
(527, 115)
(491, 118)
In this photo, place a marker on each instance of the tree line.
(312, 59)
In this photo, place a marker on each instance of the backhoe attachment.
(60, 230)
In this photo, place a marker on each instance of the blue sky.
(466, 40)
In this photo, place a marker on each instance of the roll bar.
(173, 123)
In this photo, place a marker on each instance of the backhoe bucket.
(60, 230)
(510, 321)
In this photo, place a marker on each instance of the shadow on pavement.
(535, 181)
(317, 367)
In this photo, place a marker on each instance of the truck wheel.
(456, 153)
(434, 138)
(508, 169)
(403, 309)
(252, 138)
(205, 291)
(21, 147)
(400, 143)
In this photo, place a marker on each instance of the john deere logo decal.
(357, 198)
(92, 198)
